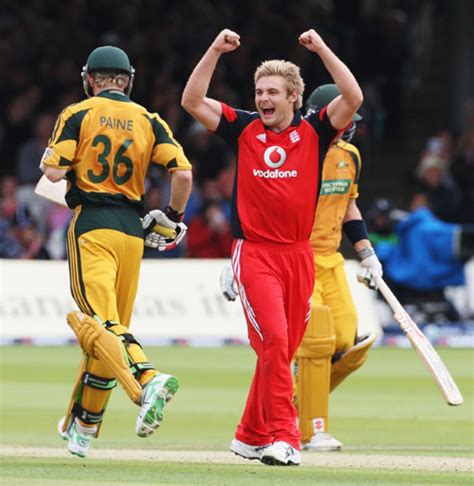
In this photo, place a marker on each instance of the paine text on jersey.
(116, 123)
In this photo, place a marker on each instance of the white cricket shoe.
(247, 451)
(78, 443)
(322, 442)
(281, 454)
(155, 395)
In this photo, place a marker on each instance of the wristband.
(173, 214)
(366, 253)
(355, 230)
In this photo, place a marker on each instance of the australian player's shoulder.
(348, 147)
(139, 108)
(75, 107)
(153, 117)
(74, 110)
(352, 153)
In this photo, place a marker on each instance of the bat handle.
(399, 312)
(389, 296)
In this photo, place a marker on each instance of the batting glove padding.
(227, 283)
(161, 232)
(371, 268)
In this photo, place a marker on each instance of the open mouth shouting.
(268, 112)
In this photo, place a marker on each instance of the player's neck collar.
(295, 122)
(113, 94)
(297, 117)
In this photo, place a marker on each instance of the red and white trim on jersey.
(308, 314)
(243, 297)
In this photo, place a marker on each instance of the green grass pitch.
(389, 407)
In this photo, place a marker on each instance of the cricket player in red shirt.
(279, 155)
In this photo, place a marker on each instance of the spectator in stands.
(18, 113)
(209, 234)
(30, 153)
(443, 194)
(19, 237)
(462, 167)
(426, 258)
(34, 37)
(57, 221)
(381, 220)
(30, 239)
(9, 246)
(225, 185)
(10, 208)
(27, 168)
(208, 154)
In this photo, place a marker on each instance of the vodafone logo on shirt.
(274, 157)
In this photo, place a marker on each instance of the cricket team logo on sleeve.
(274, 157)
(46, 155)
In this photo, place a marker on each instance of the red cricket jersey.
(278, 174)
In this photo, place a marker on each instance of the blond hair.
(106, 80)
(288, 71)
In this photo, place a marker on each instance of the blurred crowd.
(425, 244)
(43, 45)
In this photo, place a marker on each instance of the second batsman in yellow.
(331, 349)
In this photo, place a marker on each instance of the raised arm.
(341, 110)
(194, 100)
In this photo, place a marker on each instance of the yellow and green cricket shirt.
(106, 143)
(340, 179)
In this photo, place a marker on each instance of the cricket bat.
(54, 191)
(422, 346)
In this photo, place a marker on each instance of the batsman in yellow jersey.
(103, 147)
(331, 349)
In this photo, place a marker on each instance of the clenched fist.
(226, 41)
(311, 40)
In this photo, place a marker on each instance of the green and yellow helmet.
(107, 59)
(322, 96)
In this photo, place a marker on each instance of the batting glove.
(228, 284)
(161, 232)
(371, 268)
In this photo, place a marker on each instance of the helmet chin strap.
(86, 86)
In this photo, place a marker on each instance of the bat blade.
(423, 347)
(54, 191)
(434, 364)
